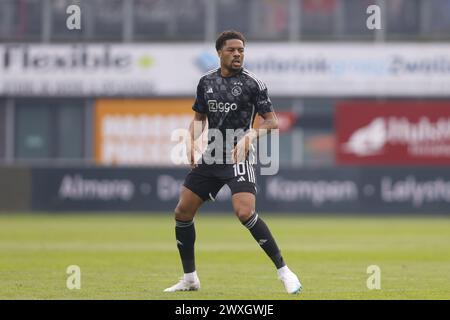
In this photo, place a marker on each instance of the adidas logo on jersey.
(241, 179)
(210, 90)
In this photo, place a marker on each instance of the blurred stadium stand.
(201, 20)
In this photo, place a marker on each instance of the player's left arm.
(243, 146)
(270, 123)
(265, 110)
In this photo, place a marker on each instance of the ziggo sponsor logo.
(215, 106)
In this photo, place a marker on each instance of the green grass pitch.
(129, 256)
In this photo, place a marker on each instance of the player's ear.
(219, 53)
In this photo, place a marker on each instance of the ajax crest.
(236, 91)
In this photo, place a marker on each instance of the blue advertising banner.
(343, 190)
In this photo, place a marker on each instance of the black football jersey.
(230, 103)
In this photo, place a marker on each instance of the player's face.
(232, 55)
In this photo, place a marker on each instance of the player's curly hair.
(228, 35)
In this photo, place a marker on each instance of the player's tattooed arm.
(196, 128)
(270, 123)
(243, 146)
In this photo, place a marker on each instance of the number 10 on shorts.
(239, 169)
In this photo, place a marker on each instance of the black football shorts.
(206, 180)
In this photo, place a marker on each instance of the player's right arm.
(197, 125)
(196, 128)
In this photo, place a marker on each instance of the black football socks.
(185, 235)
(262, 235)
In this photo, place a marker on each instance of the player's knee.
(244, 213)
(183, 213)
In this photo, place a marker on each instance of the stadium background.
(86, 115)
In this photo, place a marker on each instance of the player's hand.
(191, 148)
(242, 148)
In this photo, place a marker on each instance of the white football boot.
(290, 280)
(185, 285)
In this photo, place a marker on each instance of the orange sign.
(138, 131)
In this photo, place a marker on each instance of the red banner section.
(393, 133)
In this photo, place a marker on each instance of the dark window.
(33, 131)
(49, 129)
(71, 128)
